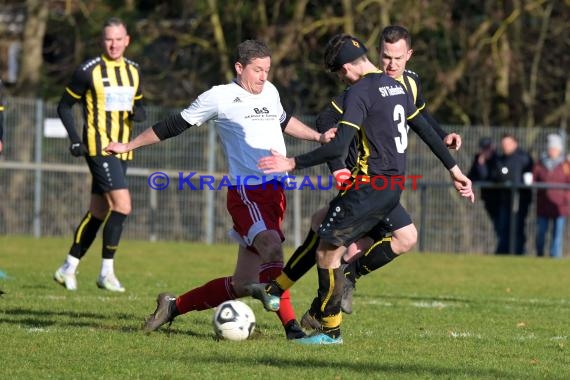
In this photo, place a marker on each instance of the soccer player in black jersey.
(368, 254)
(376, 109)
(395, 51)
(109, 90)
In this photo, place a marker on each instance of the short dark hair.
(114, 21)
(249, 50)
(394, 33)
(341, 49)
(508, 135)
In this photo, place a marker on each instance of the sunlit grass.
(423, 316)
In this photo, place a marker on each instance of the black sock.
(331, 284)
(376, 257)
(84, 235)
(112, 234)
(304, 257)
(274, 289)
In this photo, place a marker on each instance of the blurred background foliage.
(482, 62)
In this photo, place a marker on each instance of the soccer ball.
(233, 320)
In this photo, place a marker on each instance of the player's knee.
(273, 252)
(124, 209)
(268, 244)
(404, 242)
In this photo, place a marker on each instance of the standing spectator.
(109, 89)
(512, 164)
(484, 168)
(552, 205)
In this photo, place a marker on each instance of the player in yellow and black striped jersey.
(109, 90)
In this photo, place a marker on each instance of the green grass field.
(423, 316)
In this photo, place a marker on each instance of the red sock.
(206, 296)
(268, 272)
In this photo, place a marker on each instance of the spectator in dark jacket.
(552, 205)
(512, 164)
(484, 168)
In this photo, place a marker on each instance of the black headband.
(349, 51)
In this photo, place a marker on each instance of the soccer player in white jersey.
(250, 120)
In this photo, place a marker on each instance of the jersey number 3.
(400, 119)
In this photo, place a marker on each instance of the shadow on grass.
(30, 318)
(359, 368)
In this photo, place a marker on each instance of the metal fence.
(45, 190)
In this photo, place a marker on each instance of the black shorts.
(108, 172)
(396, 219)
(354, 213)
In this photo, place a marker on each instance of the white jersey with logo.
(249, 125)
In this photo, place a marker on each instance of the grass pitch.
(423, 316)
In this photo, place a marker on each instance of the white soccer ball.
(233, 320)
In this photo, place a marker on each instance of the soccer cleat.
(348, 289)
(310, 322)
(319, 338)
(269, 301)
(165, 312)
(110, 282)
(293, 330)
(67, 280)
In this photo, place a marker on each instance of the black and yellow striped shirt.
(108, 91)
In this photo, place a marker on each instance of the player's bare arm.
(148, 137)
(336, 148)
(170, 127)
(298, 129)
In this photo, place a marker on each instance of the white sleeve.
(204, 108)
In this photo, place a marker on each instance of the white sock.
(70, 264)
(107, 267)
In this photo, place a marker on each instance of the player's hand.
(276, 163)
(452, 141)
(78, 149)
(1, 146)
(115, 148)
(342, 177)
(327, 136)
(462, 184)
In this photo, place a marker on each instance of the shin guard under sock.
(84, 235)
(206, 296)
(112, 234)
(376, 257)
(331, 283)
(304, 257)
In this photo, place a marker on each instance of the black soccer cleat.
(293, 330)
